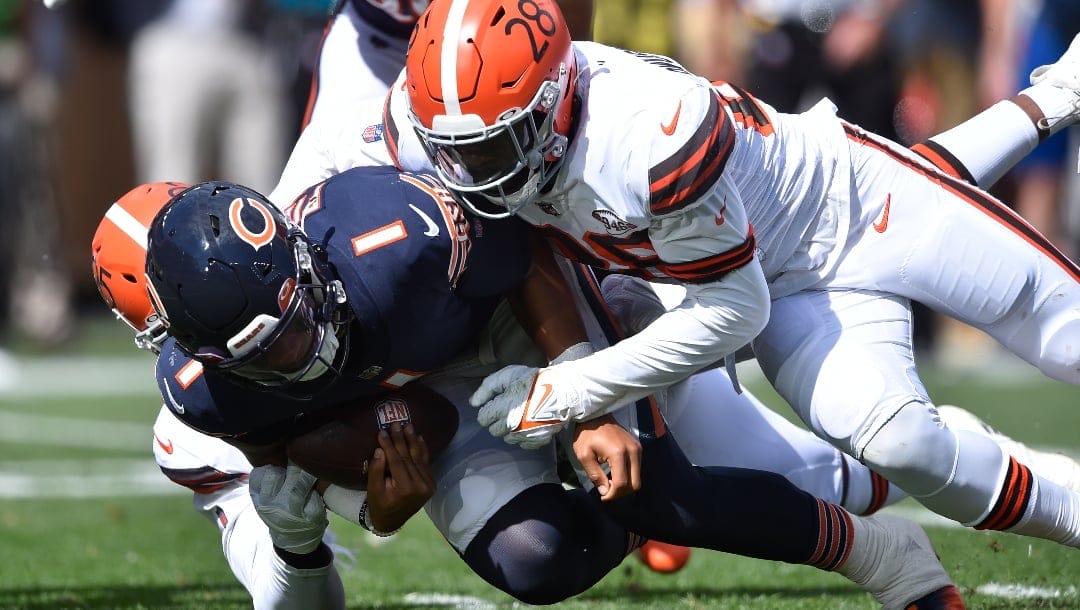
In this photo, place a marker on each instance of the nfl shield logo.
(390, 411)
(373, 133)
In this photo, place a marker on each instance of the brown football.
(340, 445)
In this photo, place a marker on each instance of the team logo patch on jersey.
(612, 223)
(393, 410)
(373, 133)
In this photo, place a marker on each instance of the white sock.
(991, 142)
(1053, 513)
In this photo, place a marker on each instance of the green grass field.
(86, 521)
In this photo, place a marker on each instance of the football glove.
(526, 406)
(288, 504)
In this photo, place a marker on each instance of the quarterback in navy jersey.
(250, 295)
(418, 279)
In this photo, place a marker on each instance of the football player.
(350, 303)
(802, 234)
(363, 50)
(214, 470)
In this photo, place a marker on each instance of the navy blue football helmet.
(243, 290)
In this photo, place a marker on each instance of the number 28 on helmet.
(242, 289)
(490, 86)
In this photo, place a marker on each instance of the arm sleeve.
(272, 583)
(329, 147)
(703, 239)
(713, 320)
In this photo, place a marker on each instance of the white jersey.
(664, 178)
(667, 168)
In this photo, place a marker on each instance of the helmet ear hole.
(130, 278)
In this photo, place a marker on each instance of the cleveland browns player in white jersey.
(799, 232)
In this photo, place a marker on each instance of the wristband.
(365, 522)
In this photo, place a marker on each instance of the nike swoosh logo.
(527, 421)
(669, 129)
(166, 447)
(432, 228)
(883, 224)
(176, 406)
(720, 215)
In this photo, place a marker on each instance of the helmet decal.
(257, 239)
(285, 295)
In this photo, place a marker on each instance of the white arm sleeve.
(331, 146)
(272, 583)
(713, 320)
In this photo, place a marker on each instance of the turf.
(154, 551)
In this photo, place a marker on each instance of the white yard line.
(105, 478)
(77, 376)
(58, 431)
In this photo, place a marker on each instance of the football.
(339, 441)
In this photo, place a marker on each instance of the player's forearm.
(544, 305)
(713, 321)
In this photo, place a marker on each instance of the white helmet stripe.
(448, 56)
(128, 224)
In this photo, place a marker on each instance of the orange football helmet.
(490, 85)
(118, 259)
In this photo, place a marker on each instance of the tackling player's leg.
(688, 505)
(981, 149)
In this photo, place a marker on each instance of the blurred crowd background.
(99, 95)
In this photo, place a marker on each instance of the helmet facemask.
(303, 343)
(506, 164)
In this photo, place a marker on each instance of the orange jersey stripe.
(714, 267)
(684, 177)
(943, 160)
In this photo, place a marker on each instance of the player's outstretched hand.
(399, 478)
(603, 441)
(526, 406)
(286, 502)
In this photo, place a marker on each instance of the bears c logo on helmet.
(257, 239)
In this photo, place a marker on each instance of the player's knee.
(913, 449)
(539, 568)
(528, 548)
(1060, 357)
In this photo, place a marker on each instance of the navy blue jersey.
(421, 278)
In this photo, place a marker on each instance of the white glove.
(288, 504)
(527, 406)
